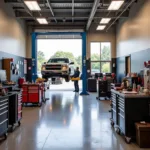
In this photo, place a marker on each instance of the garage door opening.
(60, 48)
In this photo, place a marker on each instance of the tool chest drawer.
(20, 97)
(3, 109)
(3, 126)
(3, 116)
(113, 99)
(121, 122)
(114, 106)
(114, 115)
(121, 100)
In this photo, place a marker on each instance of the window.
(100, 57)
(95, 67)
(95, 51)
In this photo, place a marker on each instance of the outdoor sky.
(51, 46)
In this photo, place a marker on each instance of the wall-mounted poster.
(17, 66)
(25, 66)
(12, 66)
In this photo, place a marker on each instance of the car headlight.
(64, 68)
(43, 68)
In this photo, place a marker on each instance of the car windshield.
(58, 60)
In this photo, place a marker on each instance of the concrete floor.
(69, 86)
(66, 122)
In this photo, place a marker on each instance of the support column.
(84, 70)
(34, 56)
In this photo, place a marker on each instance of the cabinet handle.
(121, 115)
(4, 112)
(113, 110)
(19, 112)
(3, 107)
(3, 121)
(20, 104)
(114, 104)
(121, 101)
(121, 105)
(121, 109)
(5, 100)
(3, 104)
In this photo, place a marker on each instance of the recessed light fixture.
(105, 20)
(42, 20)
(101, 27)
(32, 5)
(115, 4)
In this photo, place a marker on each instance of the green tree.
(106, 53)
(41, 59)
(95, 57)
(60, 54)
(79, 62)
(105, 67)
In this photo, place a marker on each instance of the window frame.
(101, 61)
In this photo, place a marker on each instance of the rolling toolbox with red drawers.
(15, 109)
(32, 94)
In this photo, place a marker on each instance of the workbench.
(126, 110)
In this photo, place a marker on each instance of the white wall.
(134, 33)
(12, 32)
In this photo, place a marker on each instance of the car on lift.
(58, 67)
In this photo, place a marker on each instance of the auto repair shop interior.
(74, 74)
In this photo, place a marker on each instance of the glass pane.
(95, 51)
(105, 51)
(95, 67)
(105, 67)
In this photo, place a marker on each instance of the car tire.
(67, 79)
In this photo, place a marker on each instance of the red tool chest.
(32, 94)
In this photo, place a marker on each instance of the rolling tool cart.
(102, 89)
(15, 109)
(32, 94)
(3, 116)
(92, 85)
(127, 109)
(109, 82)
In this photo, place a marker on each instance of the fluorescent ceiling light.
(115, 4)
(100, 27)
(32, 5)
(42, 21)
(105, 20)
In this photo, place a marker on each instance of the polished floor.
(66, 122)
